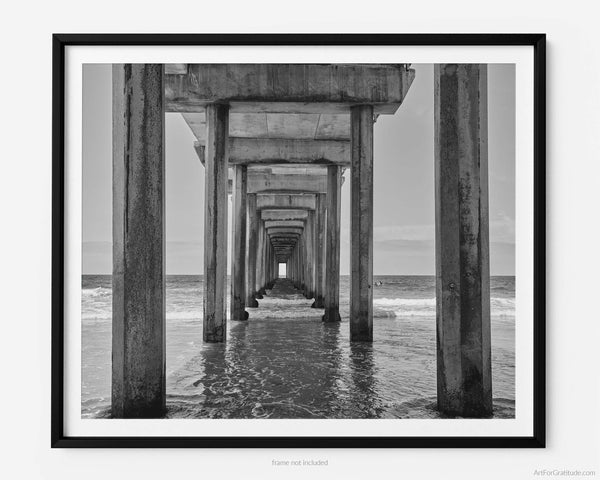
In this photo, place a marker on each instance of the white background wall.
(573, 187)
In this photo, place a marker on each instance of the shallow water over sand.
(286, 363)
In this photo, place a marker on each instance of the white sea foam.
(96, 292)
(404, 302)
(426, 307)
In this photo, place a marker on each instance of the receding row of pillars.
(462, 241)
(311, 256)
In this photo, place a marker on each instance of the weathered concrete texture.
(293, 202)
(462, 241)
(251, 251)
(306, 126)
(361, 225)
(320, 215)
(260, 261)
(138, 326)
(238, 261)
(307, 245)
(274, 230)
(332, 269)
(296, 151)
(283, 214)
(256, 151)
(215, 223)
(252, 87)
(284, 224)
(283, 244)
(259, 182)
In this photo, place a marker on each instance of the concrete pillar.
(138, 326)
(332, 274)
(215, 222)
(310, 260)
(304, 241)
(265, 263)
(299, 264)
(320, 250)
(293, 263)
(268, 263)
(251, 253)
(361, 224)
(464, 382)
(302, 264)
(271, 262)
(260, 261)
(238, 261)
(293, 266)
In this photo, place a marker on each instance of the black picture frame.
(61, 41)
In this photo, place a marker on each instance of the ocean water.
(286, 363)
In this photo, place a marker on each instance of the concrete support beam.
(251, 251)
(283, 243)
(320, 215)
(238, 261)
(283, 150)
(138, 326)
(289, 214)
(284, 224)
(291, 87)
(332, 279)
(464, 383)
(276, 230)
(271, 202)
(269, 266)
(265, 151)
(260, 261)
(310, 255)
(283, 183)
(292, 266)
(215, 223)
(361, 224)
(298, 283)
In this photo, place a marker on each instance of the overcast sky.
(403, 190)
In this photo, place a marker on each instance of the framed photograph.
(298, 240)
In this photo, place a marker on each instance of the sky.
(403, 191)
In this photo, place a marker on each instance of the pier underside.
(282, 141)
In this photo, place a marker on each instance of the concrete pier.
(251, 252)
(238, 263)
(320, 216)
(286, 134)
(310, 247)
(215, 222)
(332, 269)
(307, 251)
(259, 260)
(138, 322)
(464, 381)
(361, 224)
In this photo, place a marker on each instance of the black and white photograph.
(298, 241)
